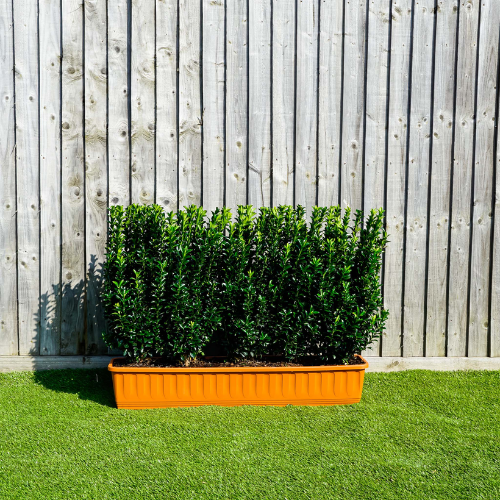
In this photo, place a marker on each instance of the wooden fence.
(266, 102)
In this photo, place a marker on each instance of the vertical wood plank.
(190, 159)
(462, 177)
(330, 95)
(8, 290)
(166, 103)
(50, 173)
(483, 179)
(236, 103)
(26, 87)
(396, 173)
(259, 113)
(444, 80)
(353, 105)
(118, 107)
(72, 187)
(376, 103)
(306, 104)
(213, 104)
(418, 173)
(96, 185)
(283, 99)
(118, 130)
(376, 111)
(495, 279)
(143, 101)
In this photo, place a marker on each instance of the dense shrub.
(178, 284)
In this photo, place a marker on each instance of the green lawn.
(414, 435)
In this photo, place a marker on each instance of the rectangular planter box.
(137, 388)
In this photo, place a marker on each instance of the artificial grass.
(415, 435)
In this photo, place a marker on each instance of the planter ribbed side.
(153, 387)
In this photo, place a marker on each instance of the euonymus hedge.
(181, 284)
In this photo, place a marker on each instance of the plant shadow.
(71, 320)
(88, 384)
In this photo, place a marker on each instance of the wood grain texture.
(28, 181)
(283, 99)
(72, 187)
(330, 96)
(376, 103)
(236, 104)
(213, 104)
(259, 98)
(483, 180)
(353, 105)
(118, 126)
(143, 101)
(396, 174)
(166, 104)
(190, 159)
(462, 178)
(376, 112)
(50, 173)
(118, 137)
(8, 219)
(199, 78)
(442, 145)
(418, 178)
(96, 183)
(495, 279)
(306, 104)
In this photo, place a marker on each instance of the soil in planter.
(220, 362)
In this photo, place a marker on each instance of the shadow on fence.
(71, 316)
(71, 321)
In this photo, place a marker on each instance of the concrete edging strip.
(377, 364)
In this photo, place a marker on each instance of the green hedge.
(181, 284)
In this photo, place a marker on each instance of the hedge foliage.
(181, 284)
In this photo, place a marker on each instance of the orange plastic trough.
(137, 388)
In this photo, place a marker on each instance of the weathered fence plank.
(376, 112)
(8, 218)
(236, 103)
(306, 104)
(495, 279)
(283, 101)
(72, 187)
(118, 108)
(353, 102)
(166, 104)
(396, 173)
(50, 173)
(96, 161)
(213, 104)
(143, 101)
(330, 96)
(259, 103)
(418, 178)
(28, 181)
(483, 179)
(462, 174)
(442, 148)
(376, 104)
(190, 158)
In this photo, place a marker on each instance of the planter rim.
(238, 369)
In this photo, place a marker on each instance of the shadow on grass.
(89, 384)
